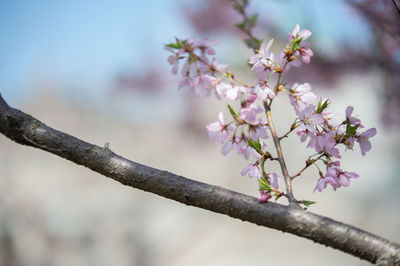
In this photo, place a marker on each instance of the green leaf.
(253, 43)
(237, 6)
(264, 186)
(234, 113)
(178, 44)
(351, 130)
(262, 168)
(296, 44)
(241, 25)
(249, 43)
(255, 144)
(257, 43)
(322, 106)
(253, 20)
(307, 202)
(174, 46)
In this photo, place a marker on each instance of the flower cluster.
(325, 134)
(247, 131)
(318, 124)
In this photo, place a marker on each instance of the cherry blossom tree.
(249, 131)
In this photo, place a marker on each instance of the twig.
(305, 167)
(246, 29)
(281, 159)
(397, 7)
(287, 133)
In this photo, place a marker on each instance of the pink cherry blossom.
(306, 53)
(323, 181)
(221, 88)
(363, 140)
(273, 179)
(352, 120)
(252, 169)
(330, 118)
(207, 83)
(234, 92)
(309, 119)
(331, 177)
(188, 68)
(191, 83)
(303, 133)
(283, 58)
(260, 60)
(296, 33)
(257, 132)
(173, 60)
(344, 178)
(242, 147)
(205, 46)
(249, 113)
(302, 50)
(262, 92)
(335, 176)
(251, 98)
(229, 145)
(218, 130)
(264, 196)
(326, 143)
(263, 60)
(301, 96)
(214, 67)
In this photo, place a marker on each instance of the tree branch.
(281, 159)
(26, 130)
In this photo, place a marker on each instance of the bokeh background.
(97, 70)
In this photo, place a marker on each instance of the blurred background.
(98, 70)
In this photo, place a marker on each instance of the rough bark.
(26, 130)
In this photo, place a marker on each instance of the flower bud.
(277, 69)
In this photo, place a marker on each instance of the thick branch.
(25, 129)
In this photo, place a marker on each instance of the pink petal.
(352, 174)
(246, 170)
(221, 118)
(295, 31)
(349, 111)
(365, 145)
(273, 180)
(370, 132)
(264, 197)
(343, 180)
(304, 34)
(254, 172)
(321, 185)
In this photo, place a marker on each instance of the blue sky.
(79, 41)
(84, 44)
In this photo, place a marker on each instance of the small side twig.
(305, 167)
(287, 133)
